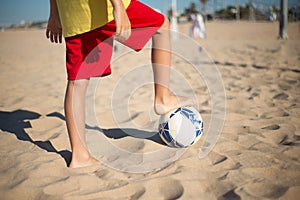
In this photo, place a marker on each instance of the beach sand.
(257, 155)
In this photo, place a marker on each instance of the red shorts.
(89, 54)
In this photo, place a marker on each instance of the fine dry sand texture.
(257, 155)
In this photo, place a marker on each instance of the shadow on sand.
(17, 121)
(118, 133)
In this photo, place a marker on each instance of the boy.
(85, 24)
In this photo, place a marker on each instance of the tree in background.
(204, 3)
(226, 13)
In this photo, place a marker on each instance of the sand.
(257, 155)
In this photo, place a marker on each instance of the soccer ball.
(181, 127)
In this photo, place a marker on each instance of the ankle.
(164, 98)
(80, 157)
(83, 162)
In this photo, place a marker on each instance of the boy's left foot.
(164, 105)
(89, 161)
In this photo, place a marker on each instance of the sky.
(14, 11)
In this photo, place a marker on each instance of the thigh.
(88, 55)
(144, 23)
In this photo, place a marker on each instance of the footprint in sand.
(65, 186)
(171, 189)
(292, 193)
(265, 189)
(222, 162)
(284, 86)
(102, 174)
(276, 175)
(272, 127)
(281, 96)
(259, 67)
(283, 134)
(230, 195)
(216, 158)
(130, 191)
(130, 144)
(272, 114)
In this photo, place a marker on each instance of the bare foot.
(84, 162)
(171, 102)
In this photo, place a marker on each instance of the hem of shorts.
(88, 77)
(156, 29)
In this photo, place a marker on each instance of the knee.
(166, 24)
(79, 84)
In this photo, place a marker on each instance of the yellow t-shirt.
(80, 16)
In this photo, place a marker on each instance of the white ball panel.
(183, 124)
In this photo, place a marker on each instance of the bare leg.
(161, 61)
(75, 119)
